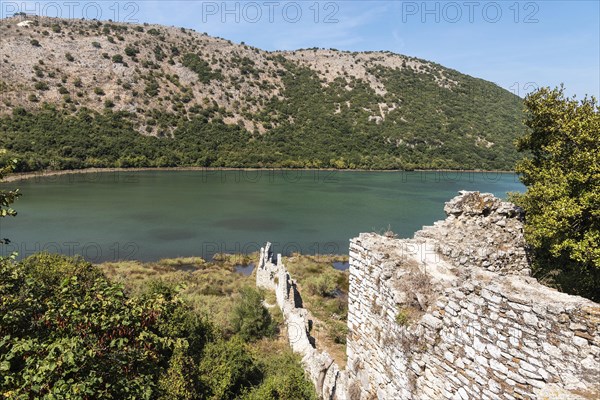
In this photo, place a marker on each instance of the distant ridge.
(83, 94)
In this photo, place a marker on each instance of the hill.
(79, 93)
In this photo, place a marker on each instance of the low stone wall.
(329, 380)
(435, 318)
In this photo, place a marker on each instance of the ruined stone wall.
(329, 380)
(453, 314)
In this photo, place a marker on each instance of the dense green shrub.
(562, 202)
(284, 380)
(324, 285)
(250, 319)
(228, 369)
(42, 86)
(68, 332)
(7, 197)
(200, 67)
(131, 51)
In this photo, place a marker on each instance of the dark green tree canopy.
(562, 175)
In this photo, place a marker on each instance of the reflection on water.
(186, 267)
(341, 265)
(244, 269)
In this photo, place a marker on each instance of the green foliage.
(7, 197)
(403, 317)
(284, 381)
(199, 66)
(131, 51)
(227, 369)
(43, 86)
(180, 381)
(562, 202)
(158, 53)
(324, 285)
(69, 57)
(250, 319)
(151, 88)
(67, 332)
(117, 58)
(35, 43)
(338, 332)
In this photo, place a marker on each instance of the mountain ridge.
(230, 105)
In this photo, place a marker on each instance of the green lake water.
(155, 214)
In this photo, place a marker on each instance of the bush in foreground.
(66, 331)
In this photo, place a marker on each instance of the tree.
(7, 197)
(562, 202)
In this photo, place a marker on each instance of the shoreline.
(22, 176)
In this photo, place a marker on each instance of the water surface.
(150, 215)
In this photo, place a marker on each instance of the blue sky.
(518, 45)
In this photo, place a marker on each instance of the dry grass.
(419, 293)
(327, 304)
(211, 287)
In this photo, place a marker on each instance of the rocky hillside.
(81, 94)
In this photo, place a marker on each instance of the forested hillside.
(77, 94)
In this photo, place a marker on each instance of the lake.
(150, 215)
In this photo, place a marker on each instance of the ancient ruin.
(452, 313)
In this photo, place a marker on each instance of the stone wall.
(449, 314)
(454, 314)
(329, 380)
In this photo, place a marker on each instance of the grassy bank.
(213, 288)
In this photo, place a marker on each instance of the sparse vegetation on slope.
(209, 102)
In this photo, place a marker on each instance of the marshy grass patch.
(324, 292)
